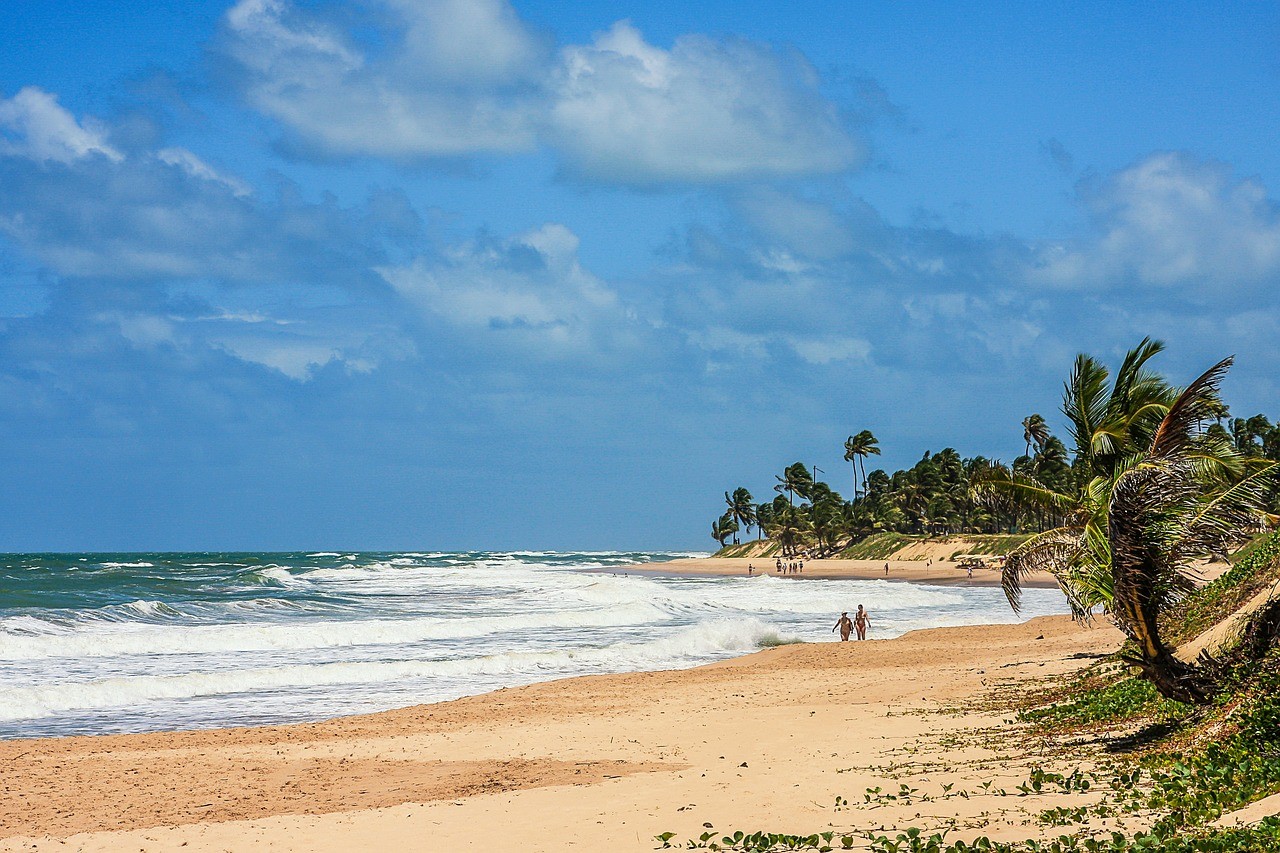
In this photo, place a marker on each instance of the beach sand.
(767, 741)
(940, 572)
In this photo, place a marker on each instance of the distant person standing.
(844, 625)
(861, 621)
(886, 570)
(750, 570)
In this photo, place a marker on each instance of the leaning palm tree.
(1035, 431)
(856, 449)
(795, 480)
(741, 509)
(722, 528)
(1130, 536)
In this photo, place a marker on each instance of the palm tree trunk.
(1173, 678)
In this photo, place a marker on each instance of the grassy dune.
(898, 546)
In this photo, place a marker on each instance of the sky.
(476, 274)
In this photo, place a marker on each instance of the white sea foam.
(680, 649)
(116, 639)
(333, 633)
(274, 575)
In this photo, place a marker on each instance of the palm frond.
(1050, 551)
(1194, 405)
(1222, 518)
(1002, 483)
(1084, 401)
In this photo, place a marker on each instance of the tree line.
(944, 494)
(1157, 477)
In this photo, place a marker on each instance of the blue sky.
(475, 274)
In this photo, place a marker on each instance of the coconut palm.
(764, 519)
(790, 528)
(741, 508)
(1107, 424)
(1035, 431)
(1131, 534)
(722, 528)
(856, 449)
(795, 480)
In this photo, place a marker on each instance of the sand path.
(767, 741)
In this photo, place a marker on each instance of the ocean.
(99, 643)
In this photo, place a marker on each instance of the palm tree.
(791, 527)
(741, 508)
(1035, 430)
(1156, 501)
(1106, 425)
(795, 480)
(722, 528)
(764, 518)
(858, 448)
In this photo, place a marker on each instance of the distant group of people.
(791, 568)
(860, 622)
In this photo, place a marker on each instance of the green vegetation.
(878, 546)
(1048, 487)
(1256, 568)
(1151, 491)
(1174, 746)
(1179, 791)
(1108, 702)
(749, 549)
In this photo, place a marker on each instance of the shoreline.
(764, 740)
(941, 573)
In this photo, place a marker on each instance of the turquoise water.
(96, 643)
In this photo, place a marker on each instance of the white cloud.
(530, 289)
(1170, 221)
(704, 111)
(813, 229)
(453, 85)
(457, 77)
(197, 168)
(829, 349)
(467, 42)
(34, 125)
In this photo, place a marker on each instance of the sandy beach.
(941, 572)
(767, 741)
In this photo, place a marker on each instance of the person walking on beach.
(861, 621)
(886, 570)
(844, 626)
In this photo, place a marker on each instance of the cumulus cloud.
(467, 76)
(529, 292)
(704, 111)
(35, 126)
(158, 251)
(1170, 222)
(457, 82)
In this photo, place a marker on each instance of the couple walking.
(860, 621)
